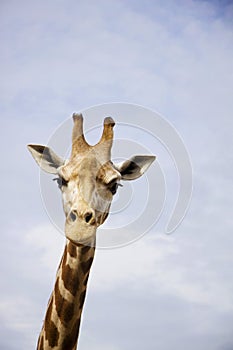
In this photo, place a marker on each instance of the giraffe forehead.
(89, 168)
(78, 167)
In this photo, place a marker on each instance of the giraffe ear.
(46, 158)
(134, 167)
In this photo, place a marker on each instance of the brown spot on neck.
(82, 299)
(86, 265)
(85, 249)
(72, 250)
(71, 339)
(64, 308)
(70, 278)
(64, 259)
(51, 331)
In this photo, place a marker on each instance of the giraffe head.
(88, 180)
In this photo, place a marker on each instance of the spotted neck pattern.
(62, 320)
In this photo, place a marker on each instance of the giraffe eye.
(61, 182)
(113, 187)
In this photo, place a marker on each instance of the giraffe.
(88, 181)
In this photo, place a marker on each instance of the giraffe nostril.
(88, 217)
(73, 216)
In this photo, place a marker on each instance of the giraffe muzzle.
(88, 216)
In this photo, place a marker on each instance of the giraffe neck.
(62, 320)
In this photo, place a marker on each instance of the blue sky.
(174, 57)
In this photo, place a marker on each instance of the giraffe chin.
(81, 233)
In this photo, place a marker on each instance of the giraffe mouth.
(80, 232)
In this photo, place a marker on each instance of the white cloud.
(115, 267)
(166, 265)
(49, 242)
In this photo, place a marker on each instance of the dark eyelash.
(60, 181)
